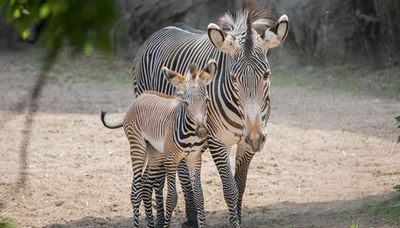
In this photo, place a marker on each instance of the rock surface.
(140, 19)
(320, 31)
(342, 30)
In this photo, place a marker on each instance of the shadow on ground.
(284, 214)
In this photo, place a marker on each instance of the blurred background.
(320, 31)
(353, 40)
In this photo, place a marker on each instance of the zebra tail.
(103, 114)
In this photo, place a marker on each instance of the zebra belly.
(157, 143)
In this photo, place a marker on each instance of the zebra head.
(192, 90)
(247, 39)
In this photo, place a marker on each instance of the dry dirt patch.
(326, 156)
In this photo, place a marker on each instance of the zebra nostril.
(246, 139)
(201, 132)
(263, 138)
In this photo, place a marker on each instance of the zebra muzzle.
(256, 143)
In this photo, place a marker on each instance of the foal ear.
(208, 73)
(222, 40)
(175, 78)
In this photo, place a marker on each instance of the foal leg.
(172, 196)
(158, 179)
(147, 186)
(138, 155)
(159, 187)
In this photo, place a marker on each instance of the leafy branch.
(82, 25)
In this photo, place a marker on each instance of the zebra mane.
(237, 22)
(248, 41)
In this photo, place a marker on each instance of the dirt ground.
(327, 156)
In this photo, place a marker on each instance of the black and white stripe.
(240, 85)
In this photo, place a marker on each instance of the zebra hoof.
(190, 224)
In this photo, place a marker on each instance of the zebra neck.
(184, 128)
(225, 100)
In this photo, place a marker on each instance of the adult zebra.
(239, 96)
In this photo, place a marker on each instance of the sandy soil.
(327, 155)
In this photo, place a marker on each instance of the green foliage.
(341, 78)
(83, 25)
(7, 223)
(397, 187)
(391, 61)
(389, 210)
(354, 224)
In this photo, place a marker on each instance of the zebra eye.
(267, 74)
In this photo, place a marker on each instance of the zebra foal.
(164, 130)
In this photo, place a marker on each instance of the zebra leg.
(219, 152)
(156, 174)
(147, 187)
(172, 196)
(190, 207)
(193, 161)
(135, 201)
(138, 154)
(159, 187)
(243, 158)
(158, 179)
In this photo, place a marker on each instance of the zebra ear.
(175, 78)
(277, 34)
(261, 25)
(222, 40)
(208, 73)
